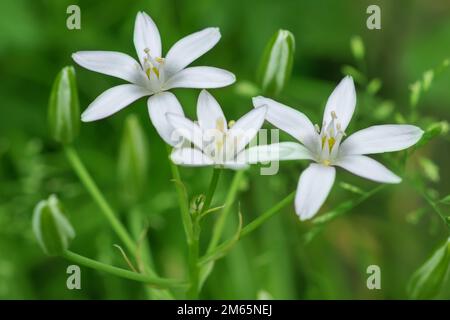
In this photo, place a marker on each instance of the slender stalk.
(98, 197)
(93, 264)
(194, 246)
(220, 222)
(211, 189)
(267, 214)
(182, 200)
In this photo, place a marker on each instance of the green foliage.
(428, 280)
(63, 108)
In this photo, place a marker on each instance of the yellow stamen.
(231, 123)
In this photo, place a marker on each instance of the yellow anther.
(331, 142)
(231, 123)
(156, 71)
(159, 60)
(326, 162)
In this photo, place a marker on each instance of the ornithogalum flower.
(153, 74)
(328, 148)
(215, 142)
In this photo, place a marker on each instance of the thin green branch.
(119, 272)
(220, 222)
(98, 197)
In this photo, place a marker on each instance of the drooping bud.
(276, 64)
(63, 109)
(133, 160)
(51, 228)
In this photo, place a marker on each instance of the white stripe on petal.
(342, 101)
(158, 105)
(209, 112)
(201, 78)
(289, 120)
(146, 36)
(112, 101)
(183, 127)
(190, 157)
(191, 47)
(112, 63)
(368, 168)
(277, 152)
(382, 138)
(313, 188)
(245, 129)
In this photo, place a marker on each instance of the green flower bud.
(276, 64)
(357, 47)
(133, 160)
(63, 109)
(51, 228)
(427, 281)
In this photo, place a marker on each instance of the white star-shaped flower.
(215, 143)
(328, 148)
(152, 75)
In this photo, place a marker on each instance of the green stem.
(182, 200)
(98, 197)
(211, 189)
(220, 222)
(194, 246)
(267, 215)
(119, 272)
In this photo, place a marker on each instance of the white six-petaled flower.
(328, 148)
(153, 74)
(215, 142)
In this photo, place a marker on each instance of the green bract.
(133, 159)
(427, 281)
(52, 229)
(63, 109)
(276, 65)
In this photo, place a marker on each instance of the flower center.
(330, 138)
(152, 64)
(221, 146)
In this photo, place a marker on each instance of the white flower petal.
(245, 129)
(235, 165)
(342, 101)
(313, 188)
(209, 112)
(289, 120)
(113, 100)
(368, 168)
(190, 157)
(382, 138)
(183, 127)
(201, 78)
(158, 105)
(146, 36)
(190, 48)
(277, 152)
(112, 63)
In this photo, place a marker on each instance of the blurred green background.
(396, 229)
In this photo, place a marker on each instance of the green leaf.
(427, 281)
(276, 65)
(63, 109)
(51, 228)
(445, 200)
(133, 160)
